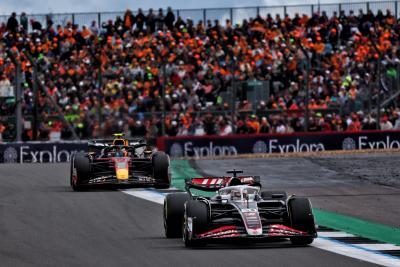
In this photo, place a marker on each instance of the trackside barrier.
(24, 152)
(211, 146)
(206, 146)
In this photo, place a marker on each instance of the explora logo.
(189, 150)
(273, 146)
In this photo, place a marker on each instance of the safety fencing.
(236, 15)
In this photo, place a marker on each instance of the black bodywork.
(126, 163)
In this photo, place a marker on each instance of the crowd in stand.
(118, 76)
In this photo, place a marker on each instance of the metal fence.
(236, 15)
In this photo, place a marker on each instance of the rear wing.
(109, 142)
(212, 184)
(97, 145)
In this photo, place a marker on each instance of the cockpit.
(239, 193)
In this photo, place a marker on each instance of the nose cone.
(122, 168)
(122, 174)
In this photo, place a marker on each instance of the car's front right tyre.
(81, 164)
(173, 212)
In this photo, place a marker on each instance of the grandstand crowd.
(110, 77)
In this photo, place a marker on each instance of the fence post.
(284, 11)
(18, 96)
(395, 9)
(231, 15)
(367, 7)
(233, 102)
(204, 17)
(35, 103)
(340, 9)
(312, 10)
(99, 20)
(177, 13)
(164, 113)
(73, 18)
(258, 11)
(378, 119)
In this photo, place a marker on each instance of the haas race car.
(120, 162)
(239, 210)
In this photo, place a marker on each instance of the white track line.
(365, 252)
(379, 246)
(147, 194)
(355, 251)
(334, 234)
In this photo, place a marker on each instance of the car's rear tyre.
(198, 211)
(161, 170)
(302, 219)
(268, 194)
(81, 163)
(173, 214)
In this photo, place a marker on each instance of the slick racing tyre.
(80, 171)
(161, 170)
(197, 212)
(302, 219)
(269, 194)
(173, 214)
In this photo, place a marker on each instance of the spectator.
(23, 20)
(169, 19)
(151, 21)
(129, 20)
(225, 127)
(386, 124)
(264, 127)
(140, 20)
(2, 129)
(397, 120)
(36, 25)
(160, 20)
(12, 23)
(94, 29)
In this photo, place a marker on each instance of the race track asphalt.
(44, 223)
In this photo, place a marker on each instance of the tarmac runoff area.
(44, 223)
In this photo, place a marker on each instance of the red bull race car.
(239, 210)
(119, 162)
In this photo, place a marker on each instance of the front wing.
(236, 232)
(133, 180)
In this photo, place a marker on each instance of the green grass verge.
(357, 226)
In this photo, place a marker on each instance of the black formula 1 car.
(121, 162)
(240, 210)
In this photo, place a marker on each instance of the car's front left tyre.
(160, 162)
(301, 218)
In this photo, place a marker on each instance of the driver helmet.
(245, 194)
(148, 151)
(235, 194)
(118, 152)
